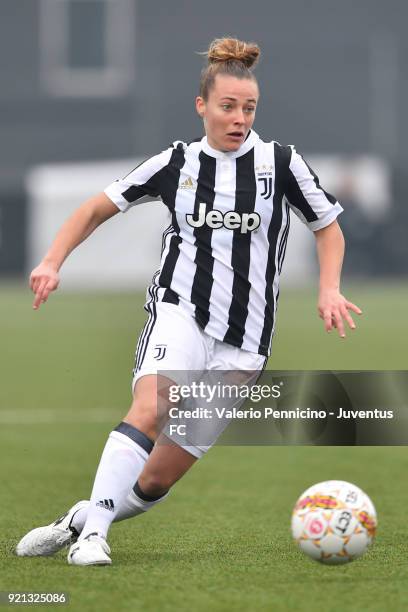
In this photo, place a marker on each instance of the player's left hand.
(334, 309)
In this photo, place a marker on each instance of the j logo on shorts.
(159, 351)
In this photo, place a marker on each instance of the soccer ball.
(334, 522)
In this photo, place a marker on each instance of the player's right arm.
(92, 213)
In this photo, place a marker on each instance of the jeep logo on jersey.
(233, 220)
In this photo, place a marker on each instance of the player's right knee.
(148, 411)
(143, 416)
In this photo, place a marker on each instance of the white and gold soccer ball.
(334, 522)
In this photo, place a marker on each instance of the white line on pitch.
(34, 417)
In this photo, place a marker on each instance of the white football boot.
(45, 541)
(92, 550)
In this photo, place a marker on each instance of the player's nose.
(239, 118)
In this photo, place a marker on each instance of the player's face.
(229, 112)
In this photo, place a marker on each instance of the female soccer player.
(212, 303)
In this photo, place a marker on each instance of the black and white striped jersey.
(223, 251)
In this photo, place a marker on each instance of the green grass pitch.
(221, 541)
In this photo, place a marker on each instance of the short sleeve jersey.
(223, 251)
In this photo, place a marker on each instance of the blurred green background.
(76, 353)
(222, 539)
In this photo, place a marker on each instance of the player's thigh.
(229, 370)
(169, 346)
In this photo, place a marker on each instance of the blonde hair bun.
(232, 49)
(230, 57)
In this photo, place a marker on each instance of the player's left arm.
(333, 307)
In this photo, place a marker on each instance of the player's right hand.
(43, 279)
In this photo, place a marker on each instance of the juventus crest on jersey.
(223, 251)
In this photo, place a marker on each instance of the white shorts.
(171, 340)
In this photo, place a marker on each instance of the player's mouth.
(236, 136)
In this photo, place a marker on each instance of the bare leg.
(167, 462)
(150, 404)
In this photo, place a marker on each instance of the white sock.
(124, 456)
(79, 519)
(132, 506)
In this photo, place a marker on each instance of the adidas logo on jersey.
(107, 504)
(187, 184)
(232, 219)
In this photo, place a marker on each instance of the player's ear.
(200, 106)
